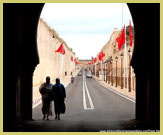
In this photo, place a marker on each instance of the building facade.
(116, 64)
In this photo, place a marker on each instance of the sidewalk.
(123, 92)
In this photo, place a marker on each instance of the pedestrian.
(59, 95)
(46, 90)
(72, 79)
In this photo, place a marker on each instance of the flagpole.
(95, 69)
(91, 68)
(130, 34)
(131, 79)
(131, 72)
(124, 80)
(126, 62)
(70, 67)
(122, 15)
(102, 70)
(124, 70)
(61, 66)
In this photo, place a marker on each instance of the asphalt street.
(89, 107)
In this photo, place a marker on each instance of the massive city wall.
(49, 61)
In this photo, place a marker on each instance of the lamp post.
(98, 70)
(111, 61)
(129, 78)
(116, 59)
(109, 73)
(121, 70)
(105, 72)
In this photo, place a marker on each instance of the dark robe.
(59, 95)
(46, 103)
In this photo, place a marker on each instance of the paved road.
(109, 111)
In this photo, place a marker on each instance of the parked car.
(89, 75)
(80, 74)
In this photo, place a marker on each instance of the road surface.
(89, 107)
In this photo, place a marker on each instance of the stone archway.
(146, 62)
(20, 57)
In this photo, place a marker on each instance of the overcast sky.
(85, 27)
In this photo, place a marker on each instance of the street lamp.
(111, 61)
(129, 78)
(106, 72)
(109, 72)
(116, 59)
(98, 70)
(109, 69)
(121, 70)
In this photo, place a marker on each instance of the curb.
(36, 102)
(111, 89)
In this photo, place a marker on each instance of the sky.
(86, 27)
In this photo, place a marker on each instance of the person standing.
(45, 90)
(59, 95)
(72, 79)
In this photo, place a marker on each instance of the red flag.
(121, 39)
(89, 63)
(61, 49)
(94, 60)
(130, 33)
(101, 55)
(76, 62)
(71, 58)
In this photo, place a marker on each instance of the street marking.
(89, 97)
(86, 95)
(84, 100)
(116, 92)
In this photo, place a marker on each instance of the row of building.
(115, 68)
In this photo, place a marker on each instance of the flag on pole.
(76, 62)
(89, 63)
(61, 49)
(101, 55)
(94, 60)
(130, 33)
(71, 58)
(121, 39)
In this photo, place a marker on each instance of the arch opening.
(48, 42)
(22, 35)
